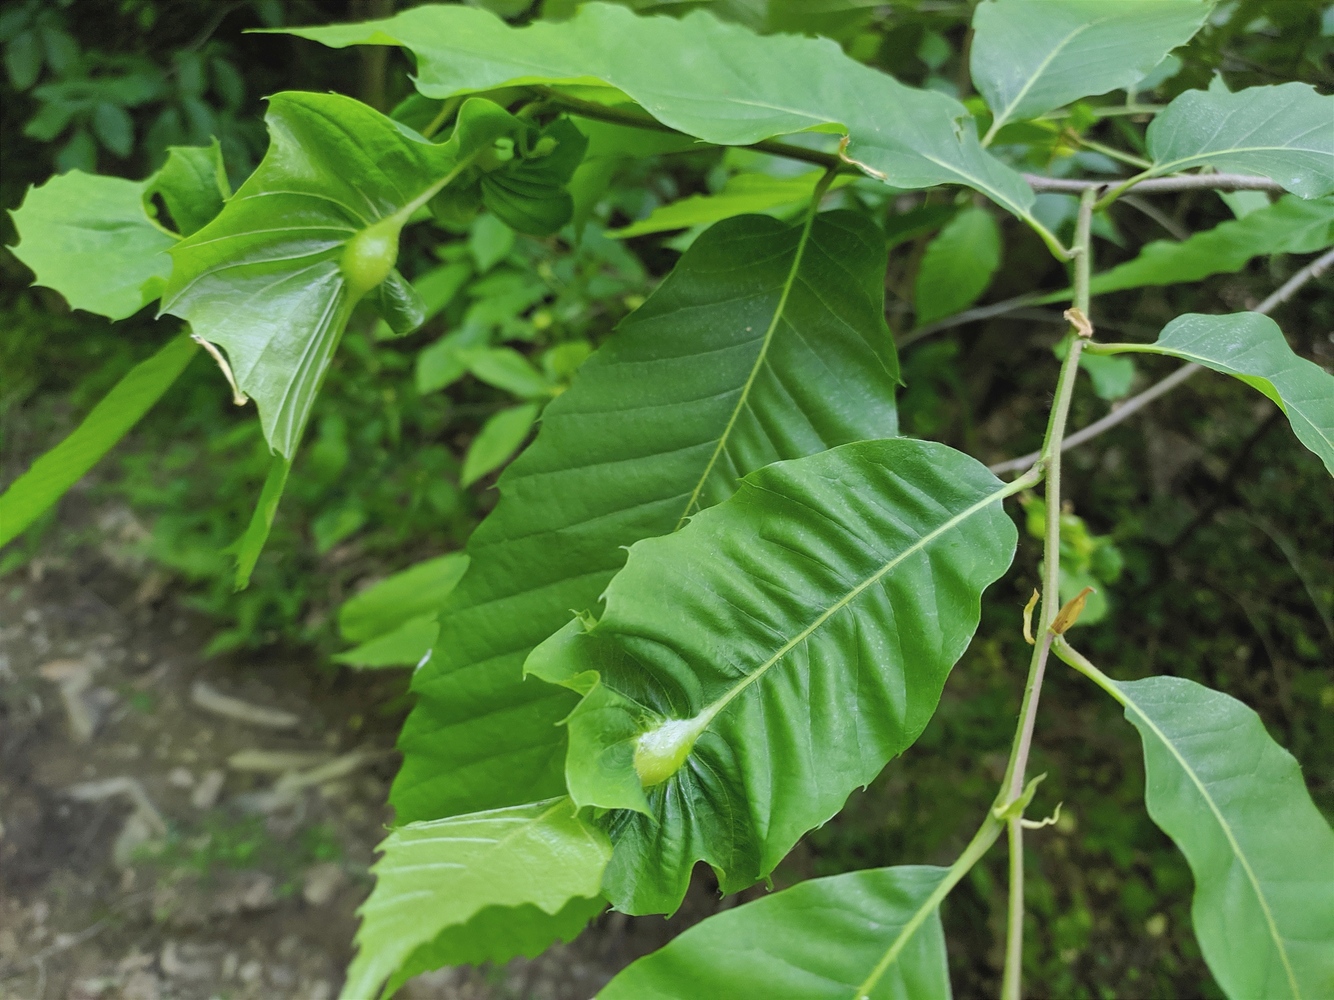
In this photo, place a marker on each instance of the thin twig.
(1174, 228)
(1136, 403)
(1185, 182)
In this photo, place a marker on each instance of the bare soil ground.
(153, 846)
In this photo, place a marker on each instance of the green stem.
(1050, 463)
(1121, 189)
(446, 109)
(977, 847)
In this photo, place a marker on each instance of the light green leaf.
(408, 594)
(1281, 132)
(716, 81)
(402, 646)
(251, 543)
(1235, 803)
(1111, 377)
(498, 439)
(109, 421)
(766, 342)
(1252, 348)
(446, 361)
(741, 194)
(273, 279)
(435, 877)
(1031, 56)
(114, 128)
(758, 665)
(193, 184)
(958, 265)
(820, 940)
(490, 242)
(507, 369)
(1290, 225)
(91, 239)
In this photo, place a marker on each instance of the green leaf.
(758, 665)
(1281, 132)
(401, 646)
(251, 543)
(1290, 225)
(766, 342)
(498, 439)
(23, 60)
(399, 304)
(507, 369)
(91, 239)
(1235, 803)
(530, 196)
(436, 289)
(193, 185)
(820, 940)
(489, 241)
(109, 421)
(435, 877)
(273, 279)
(408, 594)
(743, 193)
(716, 81)
(1111, 377)
(1252, 348)
(1031, 56)
(114, 128)
(446, 361)
(958, 265)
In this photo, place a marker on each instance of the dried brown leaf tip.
(1070, 612)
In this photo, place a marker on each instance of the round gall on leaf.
(369, 256)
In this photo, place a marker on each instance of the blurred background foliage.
(1205, 526)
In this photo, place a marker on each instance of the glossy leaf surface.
(434, 878)
(55, 472)
(269, 280)
(819, 940)
(1252, 348)
(779, 650)
(1281, 132)
(716, 81)
(1029, 57)
(766, 342)
(193, 185)
(958, 265)
(743, 193)
(1262, 855)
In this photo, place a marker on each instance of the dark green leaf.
(435, 289)
(1280, 132)
(109, 421)
(399, 304)
(773, 655)
(23, 60)
(717, 374)
(1252, 348)
(80, 153)
(113, 128)
(820, 940)
(436, 877)
(1031, 56)
(530, 194)
(716, 81)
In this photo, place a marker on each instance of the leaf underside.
(1262, 855)
(716, 375)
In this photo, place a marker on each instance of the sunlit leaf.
(434, 878)
(823, 939)
(273, 279)
(1252, 348)
(251, 543)
(743, 193)
(1031, 56)
(1281, 132)
(766, 342)
(420, 589)
(716, 81)
(499, 438)
(755, 667)
(109, 421)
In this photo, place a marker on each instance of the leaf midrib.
(1004, 116)
(744, 399)
(1130, 703)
